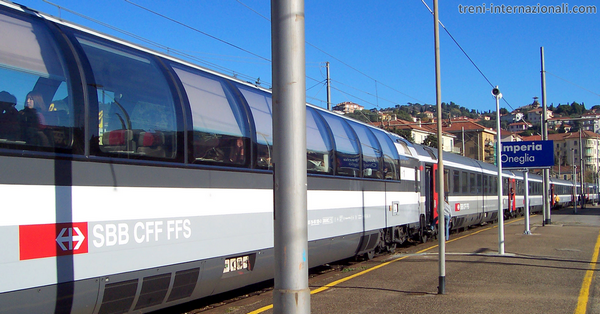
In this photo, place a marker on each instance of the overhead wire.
(465, 53)
(585, 89)
(225, 42)
(198, 31)
(167, 49)
(337, 59)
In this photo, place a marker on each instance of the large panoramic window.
(136, 111)
(36, 112)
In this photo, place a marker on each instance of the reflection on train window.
(136, 110)
(31, 68)
(318, 144)
(347, 146)
(371, 151)
(261, 107)
(219, 133)
(391, 162)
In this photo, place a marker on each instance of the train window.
(261, 106)
(472, 183)
(220, 135)
(136, 110)
(494, 185)
(391, 162)
(35, 107)
(417, 179)
(318, 144)
(464, 182)
(455, 181)
(402, 147)
(447, 181)
(479, 185)
(521, 188)
(346, 145)
(371, 151)
(531, 188)
(486, 189)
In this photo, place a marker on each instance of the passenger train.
(134, 181)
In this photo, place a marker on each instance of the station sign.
(527, 154)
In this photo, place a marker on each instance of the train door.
(431, 196)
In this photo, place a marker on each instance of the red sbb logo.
(50, 240)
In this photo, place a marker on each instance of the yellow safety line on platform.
(337, 282)
(584, 293)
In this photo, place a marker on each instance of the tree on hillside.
(564, 110)
(577, 108)
(402, 114)
(431, 141)
(527, 133)
(488, 123)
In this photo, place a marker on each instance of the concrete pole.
(328, 87)
(546, 183)
(291, 293)
(574, 175)
(462, 128)
(498, 95)
(526, 179)
(440, 177)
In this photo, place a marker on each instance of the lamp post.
(497, 94)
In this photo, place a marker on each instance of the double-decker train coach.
(133, 181)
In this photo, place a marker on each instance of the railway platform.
(553, 270)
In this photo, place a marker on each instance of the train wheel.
(369, 255)
(424, 237)
(391, 247)
(401, 235)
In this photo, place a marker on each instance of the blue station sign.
(527, 154)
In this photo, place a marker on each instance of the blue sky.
(381, 52)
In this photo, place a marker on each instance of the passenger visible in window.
(36, 101)
(387, 174)
(32, 121)
(9, 125)
(35, 105)
(237, 154)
